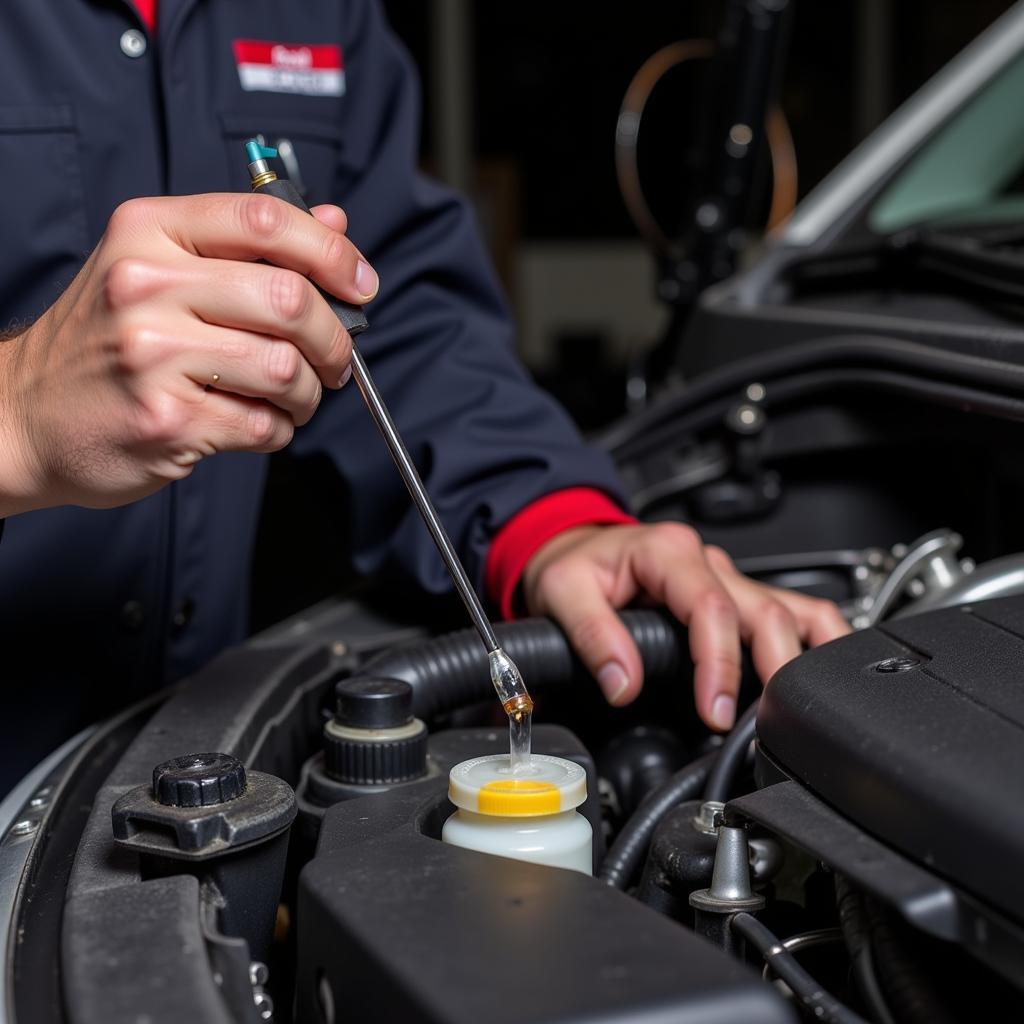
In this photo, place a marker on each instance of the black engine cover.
(929, 757)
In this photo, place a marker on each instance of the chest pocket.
(42, 214)
(310, 153)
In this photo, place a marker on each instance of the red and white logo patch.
(310, 70)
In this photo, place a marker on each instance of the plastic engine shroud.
(925, 752)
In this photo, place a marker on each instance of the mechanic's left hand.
(581, 576)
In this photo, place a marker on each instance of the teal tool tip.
(255, 151)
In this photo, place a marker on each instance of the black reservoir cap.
(373, 703)
(198, 780)
(374, 738)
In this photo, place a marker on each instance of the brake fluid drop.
(527, 814)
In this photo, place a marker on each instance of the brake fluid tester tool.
(504, 674)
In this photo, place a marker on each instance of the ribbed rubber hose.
(625, 855)
(913, 995)
(731, 757)
(451, 671)
(854, 926)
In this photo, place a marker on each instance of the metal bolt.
(339, 650)
(756, 392)
(890, 665)
(264, 1005)
(24, 827)
(259, 973)
(876, 558)
(705, 819)
(740, 135)
(738, 142)
(746, 419)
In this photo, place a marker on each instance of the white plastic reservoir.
(529, 815)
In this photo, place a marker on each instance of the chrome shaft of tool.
(411, 477)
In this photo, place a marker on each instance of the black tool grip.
(352, 318)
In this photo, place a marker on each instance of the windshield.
(971, 171)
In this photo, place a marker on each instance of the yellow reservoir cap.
(487, 785)
(518, 797)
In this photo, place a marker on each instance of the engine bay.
(848, 851)
(857, 826)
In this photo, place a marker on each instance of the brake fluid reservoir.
(529, 814)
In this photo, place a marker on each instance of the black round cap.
(198, 780)
(362, 756)
(373, 703)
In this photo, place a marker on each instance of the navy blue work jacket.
(90, 117)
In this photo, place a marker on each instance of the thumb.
(596, 633)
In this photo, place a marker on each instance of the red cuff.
(523, 535)
(147, 12)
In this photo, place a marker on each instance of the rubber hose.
(731, 757)
(854, 926)
(451, 671)
(623, 859)
(820, 1005)
(837, 351)
(905, 981)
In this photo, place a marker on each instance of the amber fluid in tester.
(520, 720)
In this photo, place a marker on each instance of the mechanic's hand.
(172, 344)
(581, 576)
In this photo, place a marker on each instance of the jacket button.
(133, 616)
(183, 616)
(133, 43)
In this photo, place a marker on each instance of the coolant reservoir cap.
(487, 785)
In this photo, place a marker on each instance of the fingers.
(218, 422)
(671, 567)
(271, 301)
(581, 579)
(244, 424)
(819, 621)
(573, 596)
(254, 366)
(776, 623)
(250, 227)
(332, 216)
(768, 627)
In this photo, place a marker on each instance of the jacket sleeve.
(486, 440)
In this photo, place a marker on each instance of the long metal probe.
(505, 675)
(414, 484)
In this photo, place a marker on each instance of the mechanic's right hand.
(172, 344)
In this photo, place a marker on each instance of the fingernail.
(366, 280)
(613, 681)
(344, 378)
(723, 711)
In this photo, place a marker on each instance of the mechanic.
(139, 392)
